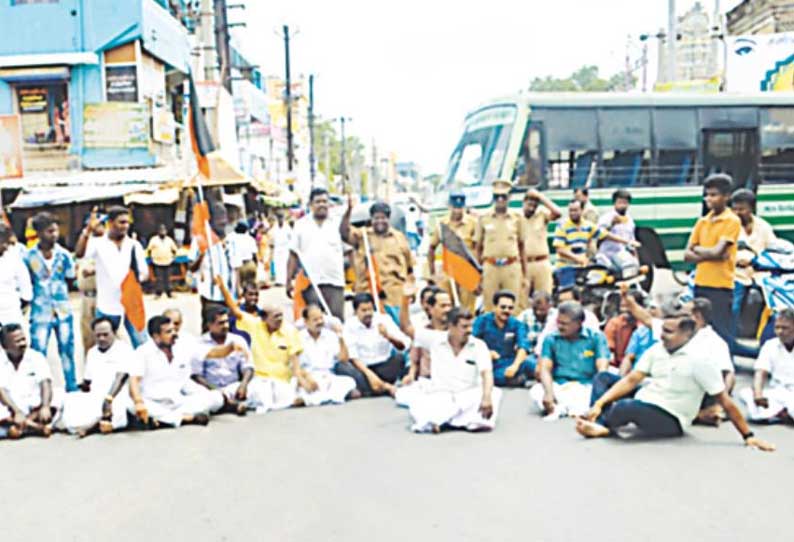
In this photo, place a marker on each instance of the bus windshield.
(480, 153)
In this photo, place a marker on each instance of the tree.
(585, 79)
(329, 152)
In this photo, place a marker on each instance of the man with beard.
(618, 222)
(317, 247)
(394, 262)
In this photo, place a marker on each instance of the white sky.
(408, 71)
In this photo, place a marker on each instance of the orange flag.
(458, 262)
(298, 302)
(198, 226)
(132, 300)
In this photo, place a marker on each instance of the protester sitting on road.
(713, 348)
(535, 318)
(103, 403)
(29, 405)
(375, 345)
(570, 358)
(232, 374)
(275, 347)
(323, 349)
(162, 392)
(460, 392)
(506, 337)
(771, 399)
(620, 328)
(679, 376)
(439, 304)
(570, 294)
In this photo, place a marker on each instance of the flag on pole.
(458, 262)
(302, 284)
(200, 137)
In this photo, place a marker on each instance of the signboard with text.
(116, 125)
(121, 83)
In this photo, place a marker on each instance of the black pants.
(721, 309)
(334, 296)
(650, 419)
(388, 371)
(162, 279)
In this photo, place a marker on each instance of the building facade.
(761, 17)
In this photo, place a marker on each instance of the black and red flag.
(458, 262)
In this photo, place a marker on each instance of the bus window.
(572, 169)
(529, 166)
(777, 166)
(622, 168)
(675, 168)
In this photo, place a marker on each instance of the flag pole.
(455, 296)
(314, 286)
(371, 270)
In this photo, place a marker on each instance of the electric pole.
(343, 158)
(288, 101)
(312, 166)
(672, 38)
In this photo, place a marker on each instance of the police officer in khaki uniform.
(464, 226)
(500, 248)
(539, 211)
(389, 249)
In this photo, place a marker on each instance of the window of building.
(44, 110)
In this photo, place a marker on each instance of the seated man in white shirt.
(28, 403)
(771, 398)
(322, 350)
(460, 392)
(104, 398)
(679, 377)
(715, 349)
(375, 345)
(160, 384)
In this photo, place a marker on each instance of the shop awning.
(48, 59)
(163, 196)
(32, 198)
(92, 178)
(222, 172)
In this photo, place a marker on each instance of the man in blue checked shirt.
(506, 338)
(51, 269)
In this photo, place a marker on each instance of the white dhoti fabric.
(82, 410)
(29, 403)
(779, 399)
(172, 410)
(406, 394)
(331, 388)
(573, 398)
(272, 394)
(461, 409)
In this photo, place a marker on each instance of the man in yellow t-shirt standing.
(162, 250)
(712, 248)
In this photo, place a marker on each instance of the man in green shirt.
(680, 375)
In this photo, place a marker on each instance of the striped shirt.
(575, 238)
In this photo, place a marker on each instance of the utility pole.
(288, 101)
(222, 44)
(343, 158)
(312, 166)
(375, 176)
(672, 39)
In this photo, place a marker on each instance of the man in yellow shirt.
(275, 347)
(712, 248)
(162, 250)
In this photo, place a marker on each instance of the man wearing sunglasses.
(500, 248)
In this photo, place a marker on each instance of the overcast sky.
(407, 72)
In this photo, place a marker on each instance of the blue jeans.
(137, 338)
(652, 420)
(525, 371)
(64, 336)
(737, 349)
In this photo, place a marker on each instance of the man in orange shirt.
(712, 247)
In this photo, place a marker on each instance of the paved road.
(355, 472)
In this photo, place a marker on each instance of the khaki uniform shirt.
(466, 229)
(499, 234)
(536, 233)
(393, 259)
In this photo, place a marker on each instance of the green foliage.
(585, 79)
(329, 150)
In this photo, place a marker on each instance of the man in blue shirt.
(51, 268)
(506, 338)
(570, 358)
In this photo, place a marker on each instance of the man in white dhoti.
(570, 358)
(771, 398)
(460, 392)
(104, 398)
(232, 374)
(160, 384)
(281, 238)
(28, 403)
(322, 350)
